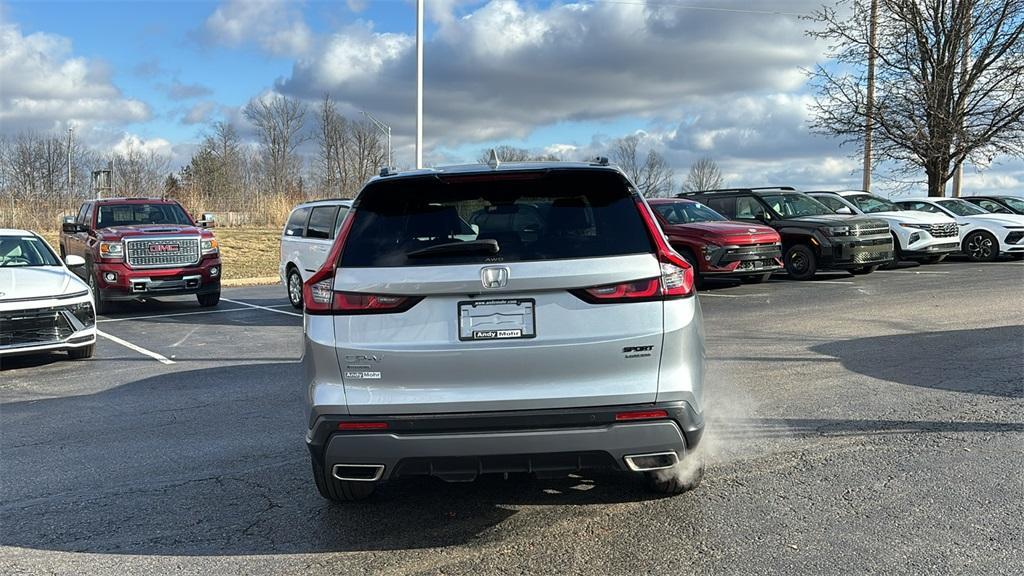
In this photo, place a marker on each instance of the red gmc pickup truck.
(143, 247)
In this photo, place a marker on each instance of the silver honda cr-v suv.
(520, 318)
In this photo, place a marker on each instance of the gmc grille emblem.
(494, 276)
(163, 247)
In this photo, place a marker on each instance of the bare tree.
(507, 153)
(279, 121)
(703, 175)
(139, 172)
(949, 81)
(652, 175)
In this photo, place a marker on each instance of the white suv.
(306, 240)
(983, 235)
(921, 236)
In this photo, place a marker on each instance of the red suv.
(715, 246)
(139, 247)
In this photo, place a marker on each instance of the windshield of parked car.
(687, 212)
(791, 205)
(481, 218)
(868, 203)
(1015, 203)
(961, 207)
(25, 251)
(141, 215)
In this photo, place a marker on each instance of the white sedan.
(983, 235)
(44, 306)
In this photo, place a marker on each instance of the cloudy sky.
(716, 78)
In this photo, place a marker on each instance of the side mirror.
(207, 220)
(67, 219)
(844, 210)
(74, 261)
(72, 227)
(761, 216)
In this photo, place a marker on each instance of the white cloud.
(44, 86)
(200, 113)
(277, 26)
(133, 142)
(506, 68)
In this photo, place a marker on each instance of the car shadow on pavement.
(988, 361)
(212, 462)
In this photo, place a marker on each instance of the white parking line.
(159, 358)
(830, 282)
(914, 272)
(732, 295)
(268, 309)
(185, 313)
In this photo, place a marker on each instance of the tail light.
(320, 298)
(362, 426)
(676, 280)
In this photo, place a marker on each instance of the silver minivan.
(521, 318)
(306, 240)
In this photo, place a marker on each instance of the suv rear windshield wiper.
(485, 246)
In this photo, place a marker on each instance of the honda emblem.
(494, 276)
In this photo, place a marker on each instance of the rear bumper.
(461, 446)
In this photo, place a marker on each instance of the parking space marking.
(268, 309)
(176, 314)
(831, 282)
(158, 357)
(914, 272)
(733, 295)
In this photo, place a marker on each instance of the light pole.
(419, 84)
(385, 128)
(869, 120)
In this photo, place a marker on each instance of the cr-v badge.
(494, 276)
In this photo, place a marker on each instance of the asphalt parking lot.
(867, 424)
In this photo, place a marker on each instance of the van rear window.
(501, 217)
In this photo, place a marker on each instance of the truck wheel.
(933, 259)
(756, 279)
(340, 490)
(683, 477)
(295, 288)
(101, 305)
(863, 270)
(209, 300)
(81, 353)
(981, 246)
(800, 262)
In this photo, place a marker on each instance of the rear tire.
(981, 246)
(209, 300)
(340, 490)
(294, 286)
(935, 259)
(864, 270)
(678, 479)
(757, 279)
(800, 262)
(81, 353)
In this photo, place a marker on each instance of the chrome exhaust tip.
(358, 472)
(652, 461)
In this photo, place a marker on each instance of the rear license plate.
(497, 319)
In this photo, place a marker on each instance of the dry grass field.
(250, 255)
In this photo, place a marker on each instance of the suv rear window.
(296, 225)
(508, 217)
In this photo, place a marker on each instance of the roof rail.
(737, 189)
